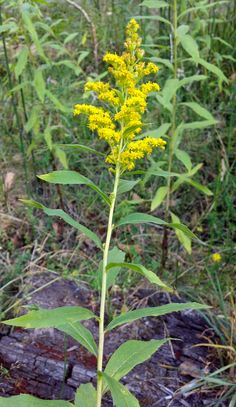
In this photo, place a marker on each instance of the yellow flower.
(149, 87)
(216, 257)
(120, 124)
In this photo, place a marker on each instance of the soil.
(50, 365)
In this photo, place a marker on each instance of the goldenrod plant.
(118, 121)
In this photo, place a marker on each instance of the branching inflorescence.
(121, 119)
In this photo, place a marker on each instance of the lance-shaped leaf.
(154, 3)
(129, 355)
(85, 396)
(72, 178)
(159, 132)
(184, 240)
(39, 84)
(25, 400)
(120, 394)
(190, 46)
(80, 334)
(214, 69)
(184, 157)
(159, 172)
(153, 312)
(198, 125)
(159, 197)
(152, 277)
(67, 218)
(33, 33)
(51, 318)
(201, 111)
(81, 147)
(126, 185)
(22, 61)
(201, 188)
(137, 218)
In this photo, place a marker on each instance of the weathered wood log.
(51, 365)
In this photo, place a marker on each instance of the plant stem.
(172, 138)
(104, 287)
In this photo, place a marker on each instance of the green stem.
(104, 287)
(172, 139)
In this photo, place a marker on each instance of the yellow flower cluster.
(104, 91)
(135, 151)
(128, 101)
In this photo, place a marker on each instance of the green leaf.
(195, 169)
(21, 62)
(126, 185)
(67, 218)
(184, 240)
(24, 400)
(156, 17)
(77, 70)
(39, 84)
(48, 137)
(137, 218)
(169, 89)
(85, 396)
(159, 197)
(163, 61)
(184, 157)
(182, 30)
(51, 318)
(72, 178)
(70, 37)
(115, 255)
(190, 46)
(159, 172)
(154, 4)
(201, 111)
(81, 334)
(223, 42)
(190, 79)
(33, 33)
(120, 394)
(153, 312)
(167, 105)
(81, 147)
(56, 102)
(159, 132)
(129, 355)
(61, 155)
(40, 1)
(198, 125)
(138, 268)
(212, 68)
(199, 187)
(34, 118)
